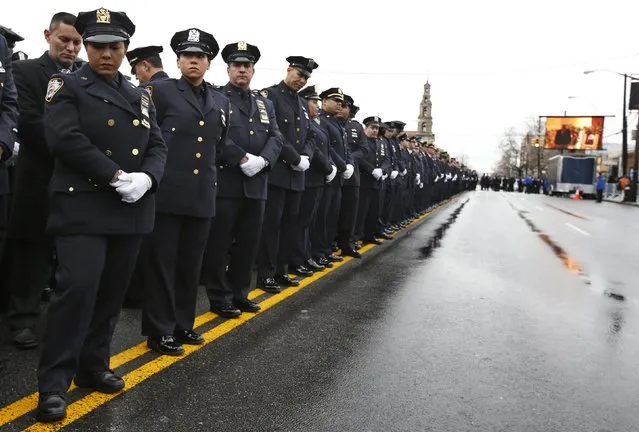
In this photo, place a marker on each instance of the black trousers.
(92, 276)
(331, 202)
(173, 254)
(599, 195)
(302, 249)
(347, 216)
(238, 219)
(276, 245)
(367, 213)
(31, 258)
(135, 291)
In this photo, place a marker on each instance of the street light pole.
(624, 129)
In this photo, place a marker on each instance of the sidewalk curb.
(622, 202)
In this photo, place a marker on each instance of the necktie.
(246, 101)
(199, 95)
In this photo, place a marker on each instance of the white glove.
(132, 186)
(421, 185)
(394, 174)
(455, 178)
(436, 179)
(350, 169)
(417, 178)
(384, 177)
(377, 173)
(403, 173)
(331, 176)
(254, 165)
(303, 165)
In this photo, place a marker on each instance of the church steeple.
(425, 118)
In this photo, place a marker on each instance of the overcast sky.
(491, 64)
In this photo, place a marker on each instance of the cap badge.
(241, 46)
(103, 16)
(339, 90)
(194, 35)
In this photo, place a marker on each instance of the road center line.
(579, 230)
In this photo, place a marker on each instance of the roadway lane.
(468, 323)
(601, 238)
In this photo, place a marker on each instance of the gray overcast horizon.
(491, 64)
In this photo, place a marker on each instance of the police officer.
(32, 247)
(286, 179)
(10, 36)
(241, 192)
(146, 64)
(8, 124)
(109, 157)
(373, 168)
(322, 242)
(193, 118)
(320, 172)
(350, 191)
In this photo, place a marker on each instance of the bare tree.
(510, 163)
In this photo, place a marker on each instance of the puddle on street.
(569, 263)
(435, 240)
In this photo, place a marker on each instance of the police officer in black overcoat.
(286, 179)
(32, 246)
(193, 117)
(351, 188)
(322, 242)
(8, 124)
(109, 157)
(146, 64)
(322, 170)
(241, 188)
(373, 167)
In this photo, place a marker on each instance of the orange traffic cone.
(577, 195)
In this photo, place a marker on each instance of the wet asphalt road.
(492, 315)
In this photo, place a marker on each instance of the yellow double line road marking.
(93, 400)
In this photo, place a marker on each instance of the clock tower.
(425, 119)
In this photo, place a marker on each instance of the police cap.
(142, 53)
(240, 52)
(19, 55)
(303, 64)
(309, 93)
(333, 93)
(195, 41)
(349, 100)
(11, 36)
(372, 121)
(396, 124)
(104, 26)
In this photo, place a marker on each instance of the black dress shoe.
(24, 338)
(270, 285)
(335, 258)
(311, 264)
(188, 337)
(287, 281)
(351, 253)
(103, 381)
(302, 270)
(373, 241)
(225, 310)
(384, 235)
(356, 246)
(51, 407)
(325, 262)
(166, 345)
(246, 305)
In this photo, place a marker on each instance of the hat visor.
(104, 38)
(241, 59)
(304, 72)
(192, 49)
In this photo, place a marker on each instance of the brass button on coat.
(71, 189)
(200, 139)
(201, 123)
(196, 171)
(108, 153)
(198, 155)
(135, 152)
(136, 122)
(111, 122)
